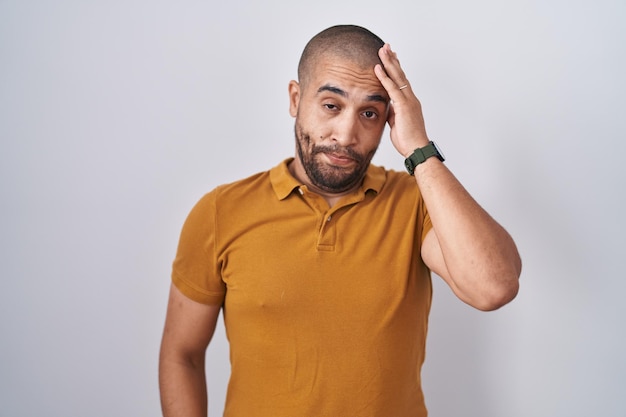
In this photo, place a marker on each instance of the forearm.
(480, 257)
(183, 387)
(469, 249)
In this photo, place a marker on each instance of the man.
(322, 264)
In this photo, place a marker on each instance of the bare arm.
(189, 327)
(466, 247)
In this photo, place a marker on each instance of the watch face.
(439, 151)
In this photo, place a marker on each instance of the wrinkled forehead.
(346, 75)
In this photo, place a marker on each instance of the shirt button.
(329, 217)
(300, 191)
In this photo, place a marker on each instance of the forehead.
(347, 75)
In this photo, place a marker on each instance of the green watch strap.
(420, 155)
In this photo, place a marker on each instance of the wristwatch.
(421, 154)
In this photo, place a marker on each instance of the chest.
(294, 258)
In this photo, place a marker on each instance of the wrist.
(418, 144)
(419, 155)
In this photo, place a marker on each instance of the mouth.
(340, 160)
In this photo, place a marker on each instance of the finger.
(396, 95)
(392, 67)
(392, 88)
(386, 81)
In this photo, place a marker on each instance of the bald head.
(348, 42)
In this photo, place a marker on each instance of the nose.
(345, 130)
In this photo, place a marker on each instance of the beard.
(330, 178)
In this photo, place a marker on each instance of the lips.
(339, 159)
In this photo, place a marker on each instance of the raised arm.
(189, 327)
(466, 247)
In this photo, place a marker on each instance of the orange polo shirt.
(325, 309)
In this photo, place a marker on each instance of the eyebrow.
(342, 93)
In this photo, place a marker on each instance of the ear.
(294, 97)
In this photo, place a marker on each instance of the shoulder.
(250, 185)
(242, 195)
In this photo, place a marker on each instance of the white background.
(116, 116)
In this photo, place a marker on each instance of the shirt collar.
(284, 183)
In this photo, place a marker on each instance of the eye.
(330, 106)
(369, 114)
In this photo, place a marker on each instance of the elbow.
(498, 297)
(504, 287)
(488, 289)
(498, 289)
(502, 290)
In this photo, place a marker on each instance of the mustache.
(338, 150)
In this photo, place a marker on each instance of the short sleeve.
(195, 271)
(426, 223)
